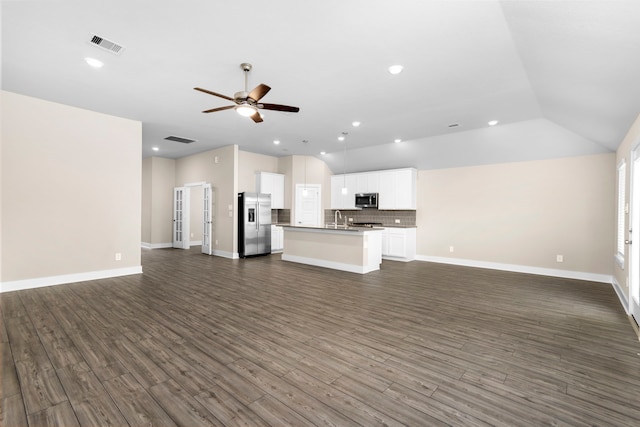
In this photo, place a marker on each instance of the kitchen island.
(353, 249)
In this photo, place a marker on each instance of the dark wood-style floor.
(200, 340)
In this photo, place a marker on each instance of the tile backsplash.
(280, 216)
(283, 216)
(373, 215)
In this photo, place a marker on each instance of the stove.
(367, 224)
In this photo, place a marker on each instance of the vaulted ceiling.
(561, 77)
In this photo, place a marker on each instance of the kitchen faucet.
(335, 218)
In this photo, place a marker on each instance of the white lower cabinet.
(277, 239)
(399, 244)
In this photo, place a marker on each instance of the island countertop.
(331, 228)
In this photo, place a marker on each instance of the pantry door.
(634, 236)
(308, 205)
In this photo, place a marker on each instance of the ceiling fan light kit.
(247, 104)
(246, 110)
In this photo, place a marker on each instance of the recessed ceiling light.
(397, 140)
(155, 148)
(341, 138)
(396, 69)
(94, 62)
(322, 153)
(276, 142)
(355, 124)
(493, 123)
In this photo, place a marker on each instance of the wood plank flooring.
(199, 341)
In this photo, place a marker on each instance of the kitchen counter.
(353, 249)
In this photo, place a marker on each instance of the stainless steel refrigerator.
(254, 224)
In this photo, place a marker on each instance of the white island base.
(357, 250)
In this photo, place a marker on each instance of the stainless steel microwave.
(366, 200)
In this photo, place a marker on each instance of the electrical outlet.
(216, 242)
(192, 235)
(118, 256)
(397, 221)
(450, 248)
(559, 258)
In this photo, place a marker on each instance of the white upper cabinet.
(367, 182)
(396, 189)
(339, 200)
(271, 183)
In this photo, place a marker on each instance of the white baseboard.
(566, 274)
(146, 245)
(195, 243)
(40, 282)
(361, 269)
(393, 258)
(225, 254)
(621, 296)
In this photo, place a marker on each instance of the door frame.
(186, 215)
(634, 228)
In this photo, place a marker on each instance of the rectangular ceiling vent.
(105, 44)
(180, 139)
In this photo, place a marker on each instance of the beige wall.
(522, 213)
(164, 178)
(249, 164)
(71, 190)
(624, 153)
(147, 200)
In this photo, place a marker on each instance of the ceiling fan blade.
(213, 110)
(214, 94)
(278, 107)
(256, 117)
(259, 91)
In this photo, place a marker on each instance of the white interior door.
(181, 218)
(634, 243)
(308, 207)
(207, 219)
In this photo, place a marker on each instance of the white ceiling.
(562, 77)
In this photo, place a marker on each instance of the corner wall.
(158, 181)
(520, 216)
(71, 194)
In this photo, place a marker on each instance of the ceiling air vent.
(180, 139)
(105, 44)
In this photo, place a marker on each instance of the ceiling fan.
(247, 103)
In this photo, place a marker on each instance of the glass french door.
(207, 219)
(181, 218)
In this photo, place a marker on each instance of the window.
(622, 168)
